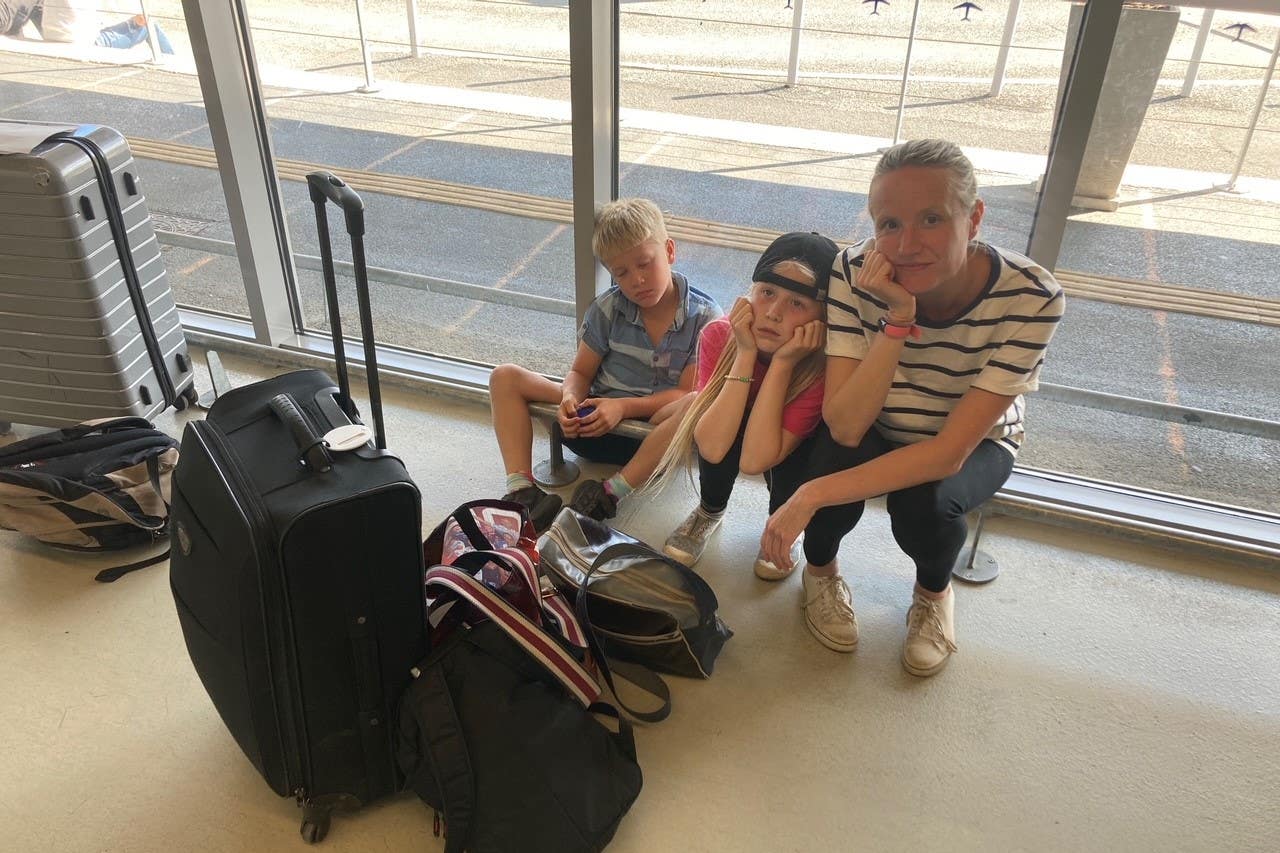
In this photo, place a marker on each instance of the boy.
(635, 356)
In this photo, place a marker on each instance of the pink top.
(799, 417)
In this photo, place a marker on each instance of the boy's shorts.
(611, 449)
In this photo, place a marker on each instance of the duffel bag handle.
(702, 593)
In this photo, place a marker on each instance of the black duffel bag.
(499, 729)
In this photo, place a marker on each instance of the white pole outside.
(151, 32)
(369, 84)
(906, 72)
(1006, 41)
(1193, 67)
(411, 8)
(1257, 111)
(797, 22)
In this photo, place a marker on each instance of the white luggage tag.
(348, 437)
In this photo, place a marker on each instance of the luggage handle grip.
(311, 447)
(326, 186)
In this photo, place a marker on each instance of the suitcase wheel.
(315, 824)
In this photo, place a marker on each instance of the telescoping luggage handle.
(327, 187)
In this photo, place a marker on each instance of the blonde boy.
(636, 349)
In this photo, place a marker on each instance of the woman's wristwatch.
(892, 329)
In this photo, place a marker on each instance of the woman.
(933, 338)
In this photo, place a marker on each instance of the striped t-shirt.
(997, 344)
(630, 365)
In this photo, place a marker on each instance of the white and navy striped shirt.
(997, 344)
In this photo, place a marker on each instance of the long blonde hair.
(680, 450)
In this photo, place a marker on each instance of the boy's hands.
(567, 415)
(876, 277)
(607, 415)
(805, 339)
(740, 318)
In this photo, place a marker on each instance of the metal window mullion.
(223, 52)
(1072, 124)
(593, 74)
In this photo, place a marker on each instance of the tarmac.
(466, 153)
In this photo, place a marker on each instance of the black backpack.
(499, 732)
(99, 486)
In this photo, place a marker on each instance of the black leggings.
(716, 479)
(927, 520)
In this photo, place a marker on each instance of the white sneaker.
(828, 611)
(931, 634)
(689, 540)
(768, 571)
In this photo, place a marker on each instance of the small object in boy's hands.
(583, 411)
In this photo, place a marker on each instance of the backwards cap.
(811, 248)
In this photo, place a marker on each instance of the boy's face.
(643, 271)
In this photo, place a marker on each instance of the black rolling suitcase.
(297, 570)
(88, 324)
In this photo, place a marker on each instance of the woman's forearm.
(901, 468)
(851, 409)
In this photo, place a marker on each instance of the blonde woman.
(759, 391)
(934, 338)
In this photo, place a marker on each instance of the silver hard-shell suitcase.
(88, 324)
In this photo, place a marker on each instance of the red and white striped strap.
(542, 648)
(559, 610)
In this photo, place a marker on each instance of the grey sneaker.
(768, 571)
(828, 611)
(690, 538)
(542, 506)
(931, 634)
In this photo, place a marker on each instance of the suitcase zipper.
(245, 496)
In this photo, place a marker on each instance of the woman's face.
(921, 228)
(778, 312)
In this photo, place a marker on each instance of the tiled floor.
(1105, 697)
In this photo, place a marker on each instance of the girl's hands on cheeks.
(876, 276)
(606, 416)
(741, 318)
(805, 339)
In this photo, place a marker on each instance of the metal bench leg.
(974, 566)
(555, 471)
(5, 427)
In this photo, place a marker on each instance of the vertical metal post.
(228, 75)
(411, 9)
(1193, 67)
(1257, 112)
(151, 32)
(1006, 41)
(797, 23)
(593, 95)
(1072, 123)
(906, 72)
(369, 84)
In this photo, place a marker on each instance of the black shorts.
(610, 448)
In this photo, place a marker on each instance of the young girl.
(934, 338)
(759, 390)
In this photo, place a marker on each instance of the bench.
(972, 565)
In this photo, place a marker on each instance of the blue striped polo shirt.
(631, 366)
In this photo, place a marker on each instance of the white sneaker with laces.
(689, 540)
(769, 571)
(828, 611)
(931, 634)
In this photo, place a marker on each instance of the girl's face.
(921, 228)
(778, 312)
